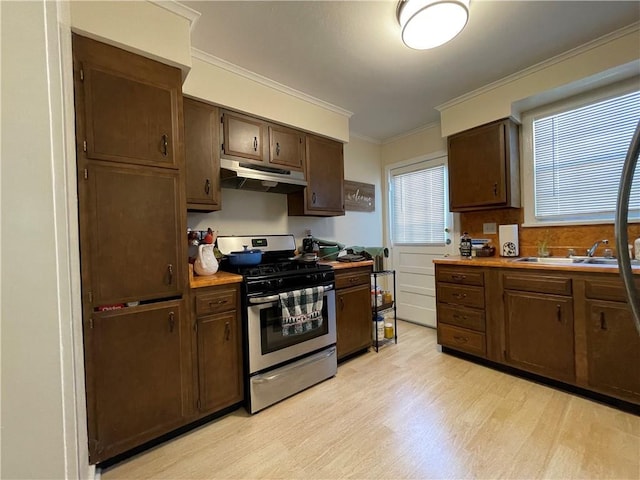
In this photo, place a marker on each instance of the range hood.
(247, 176)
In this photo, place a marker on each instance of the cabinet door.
(353, 319)
(286, 147)
(136, 371)
(613, 350)
(219, 361)
(324, 194)
(132, 105)
(202, 155)
(244, 136)
(128, 219)
(483, 172)
(539, 334)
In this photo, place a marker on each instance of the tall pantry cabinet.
(130, 158)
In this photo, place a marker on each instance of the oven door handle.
(273, 298)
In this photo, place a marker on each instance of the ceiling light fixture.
(431, 23)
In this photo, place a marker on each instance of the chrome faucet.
(593, 248)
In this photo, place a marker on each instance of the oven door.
(268, 346)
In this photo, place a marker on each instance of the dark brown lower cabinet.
(137, 371)
(218, 348)
(353, 325)
(539, 334)
(613, 350)
(353, 310)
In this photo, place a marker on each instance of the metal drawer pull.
(458, 277)
(165, 145)
(277, 148)
(255, 144)
(559, 313)
(227, 331)
(172, 321)
(459, 317)
(460, 295)
(219, 302)
(459, 339)
(207, 186)
(170, 270)
(603, 322)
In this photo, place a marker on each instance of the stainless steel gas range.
(289, 319)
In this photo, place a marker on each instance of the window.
(419, 206)
(575, 153)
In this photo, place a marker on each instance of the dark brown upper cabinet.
(202, 154)
(286, 147)
(324, 194)
(245, 137)
(132, 108)
(484, 167)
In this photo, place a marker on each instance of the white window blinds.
(419, 206)
(578, 158)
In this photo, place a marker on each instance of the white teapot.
(206, 263)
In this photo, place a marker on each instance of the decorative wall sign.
(359, 197)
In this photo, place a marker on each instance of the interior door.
(420, 227)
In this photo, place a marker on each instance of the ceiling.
(349, 53)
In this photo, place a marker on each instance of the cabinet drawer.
(353, 278)
(461, 295)
(537, 283)
(462, 317)
(605, 289)
(462, 339)
(217, 301)
(463, 277)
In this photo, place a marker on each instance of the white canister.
(636, 247)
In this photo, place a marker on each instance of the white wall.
(140, 27)
(246, 213)
(39, 429)
(606, 60)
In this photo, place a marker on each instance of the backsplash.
(560, 239)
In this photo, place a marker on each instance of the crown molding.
(364, 138)
(243, 72)
(400, 136)
(179, 9)
(542, 65)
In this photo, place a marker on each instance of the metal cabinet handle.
(559, 313)
(341, 303)
(313, 198)
(495, 189)
(207, 186)
(255, 144)
(278, 148)
(219, 302)
(459, 317)
(170, 271)
(460, 295)
(603, 322)
(172, 321)
(227, 331)
(458, 277)
(165, 145)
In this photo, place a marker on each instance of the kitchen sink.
(551, 260)
(573, 261)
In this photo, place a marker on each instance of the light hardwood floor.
(408, 411)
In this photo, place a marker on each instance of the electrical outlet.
(489, 228)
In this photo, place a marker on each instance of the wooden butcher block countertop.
(218, 278)
(504, 262)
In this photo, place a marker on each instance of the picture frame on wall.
(359, 197)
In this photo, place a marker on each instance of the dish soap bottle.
(465, 245)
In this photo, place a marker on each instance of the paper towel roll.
(508, 238)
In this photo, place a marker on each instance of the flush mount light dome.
(430, 23)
